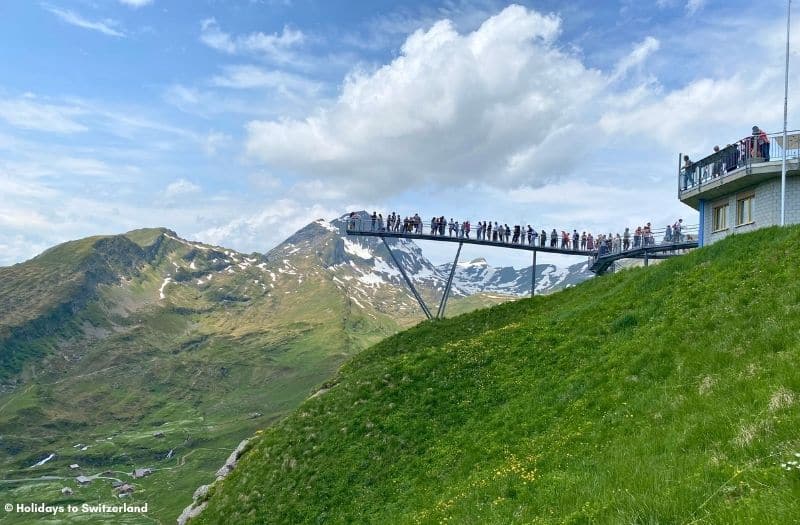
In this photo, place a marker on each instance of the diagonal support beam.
(408, 281)
(443, 304)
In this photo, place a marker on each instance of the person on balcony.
(760, 144)
(688, 170)
(730, 156)
(716, 168)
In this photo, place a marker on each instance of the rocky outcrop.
(200, 495)
(232, 460)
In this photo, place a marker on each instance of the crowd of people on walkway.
(502, 233)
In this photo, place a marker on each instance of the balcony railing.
(742, 154)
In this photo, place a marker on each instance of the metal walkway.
(597, 264)
(655, 251)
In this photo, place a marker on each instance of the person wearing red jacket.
(760, 144)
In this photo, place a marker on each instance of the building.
(738, 188)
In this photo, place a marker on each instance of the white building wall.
(766, 208)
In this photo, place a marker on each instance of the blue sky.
(236, 122)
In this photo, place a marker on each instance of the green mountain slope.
(145, 350)
(660, 395)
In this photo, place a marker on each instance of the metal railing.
(599, 247)
(742, 154)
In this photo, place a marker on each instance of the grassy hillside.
(146, 350)
(660, 395)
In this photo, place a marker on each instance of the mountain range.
(149, 351)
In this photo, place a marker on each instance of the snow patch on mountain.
(356, 249)
(325, 224)
(163, 285)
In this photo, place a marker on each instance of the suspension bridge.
(599, 261)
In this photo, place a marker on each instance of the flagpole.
(785, 116)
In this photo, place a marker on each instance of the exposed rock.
(141, 472)
(319, 392)
(230, 463)
(191, 512)
(201, 492)
(66, 491)
(125, 489)
(83, 480)
(158, 435)
(74, 466)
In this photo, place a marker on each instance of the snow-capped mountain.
(363, 268)
(477, 276)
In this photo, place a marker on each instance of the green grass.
(89, 351)
(658, 395)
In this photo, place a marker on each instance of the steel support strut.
(443, 303)
(408, 281)
(533, 275)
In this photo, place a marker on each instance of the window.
(744, 210)
(719, 218)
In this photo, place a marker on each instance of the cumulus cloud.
(498, 105)
(107, 26)
(276, 46)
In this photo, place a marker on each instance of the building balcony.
(738, 166)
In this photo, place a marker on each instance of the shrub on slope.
(666, 394)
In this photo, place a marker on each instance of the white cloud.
(498, 105)
(214, 140)
(136, 4)
(181, 187)
(276, 46)
(268, 227)
(636, 57)
(693, 6)
(28, 113)
(318, 190)
(107, 26)
(212, 36)
(249, 77)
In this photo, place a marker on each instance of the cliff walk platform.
(599, 260)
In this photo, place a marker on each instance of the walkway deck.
(655, 251)
(464, 240)
(597, 265)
